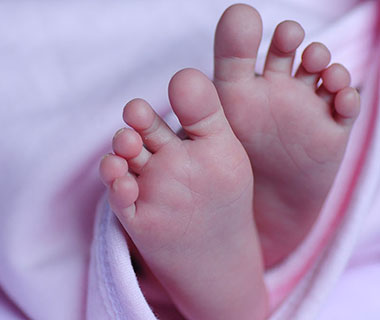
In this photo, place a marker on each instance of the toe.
(112, 167)
(196, 103)
(122, 195)
(315, 59)
(128, 145)
(237, 40)
(138, 163)
(286, 39)
(154, 132)
(347, 106)
(336, 77)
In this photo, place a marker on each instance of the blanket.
(67, 69)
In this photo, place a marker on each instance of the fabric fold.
(67, 70)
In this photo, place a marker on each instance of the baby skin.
(197, 216)
(188, 204)
(294, 128)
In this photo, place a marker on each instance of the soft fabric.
(68, 67)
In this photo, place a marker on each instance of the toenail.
(106, 156)
(357, 94)
(118, 132)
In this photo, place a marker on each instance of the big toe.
(196, 103)
(237, 39)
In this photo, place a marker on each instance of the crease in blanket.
(104, 269)
(114, 292)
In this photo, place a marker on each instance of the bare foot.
(188, 204)
(294, 128)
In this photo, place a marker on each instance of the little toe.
(122, 196)
(112, 167)
(336, 77)
(153, 130)
(347, 106)
(315, 59)
(237, 39)
(196, 103)
(127, 143)
(286, 39)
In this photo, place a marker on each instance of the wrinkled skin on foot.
(188, 204)
(294, 129)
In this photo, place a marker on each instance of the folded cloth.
(67, 68)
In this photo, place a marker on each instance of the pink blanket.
(67, 69)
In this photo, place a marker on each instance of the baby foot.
(188, 204)
(294, 128)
